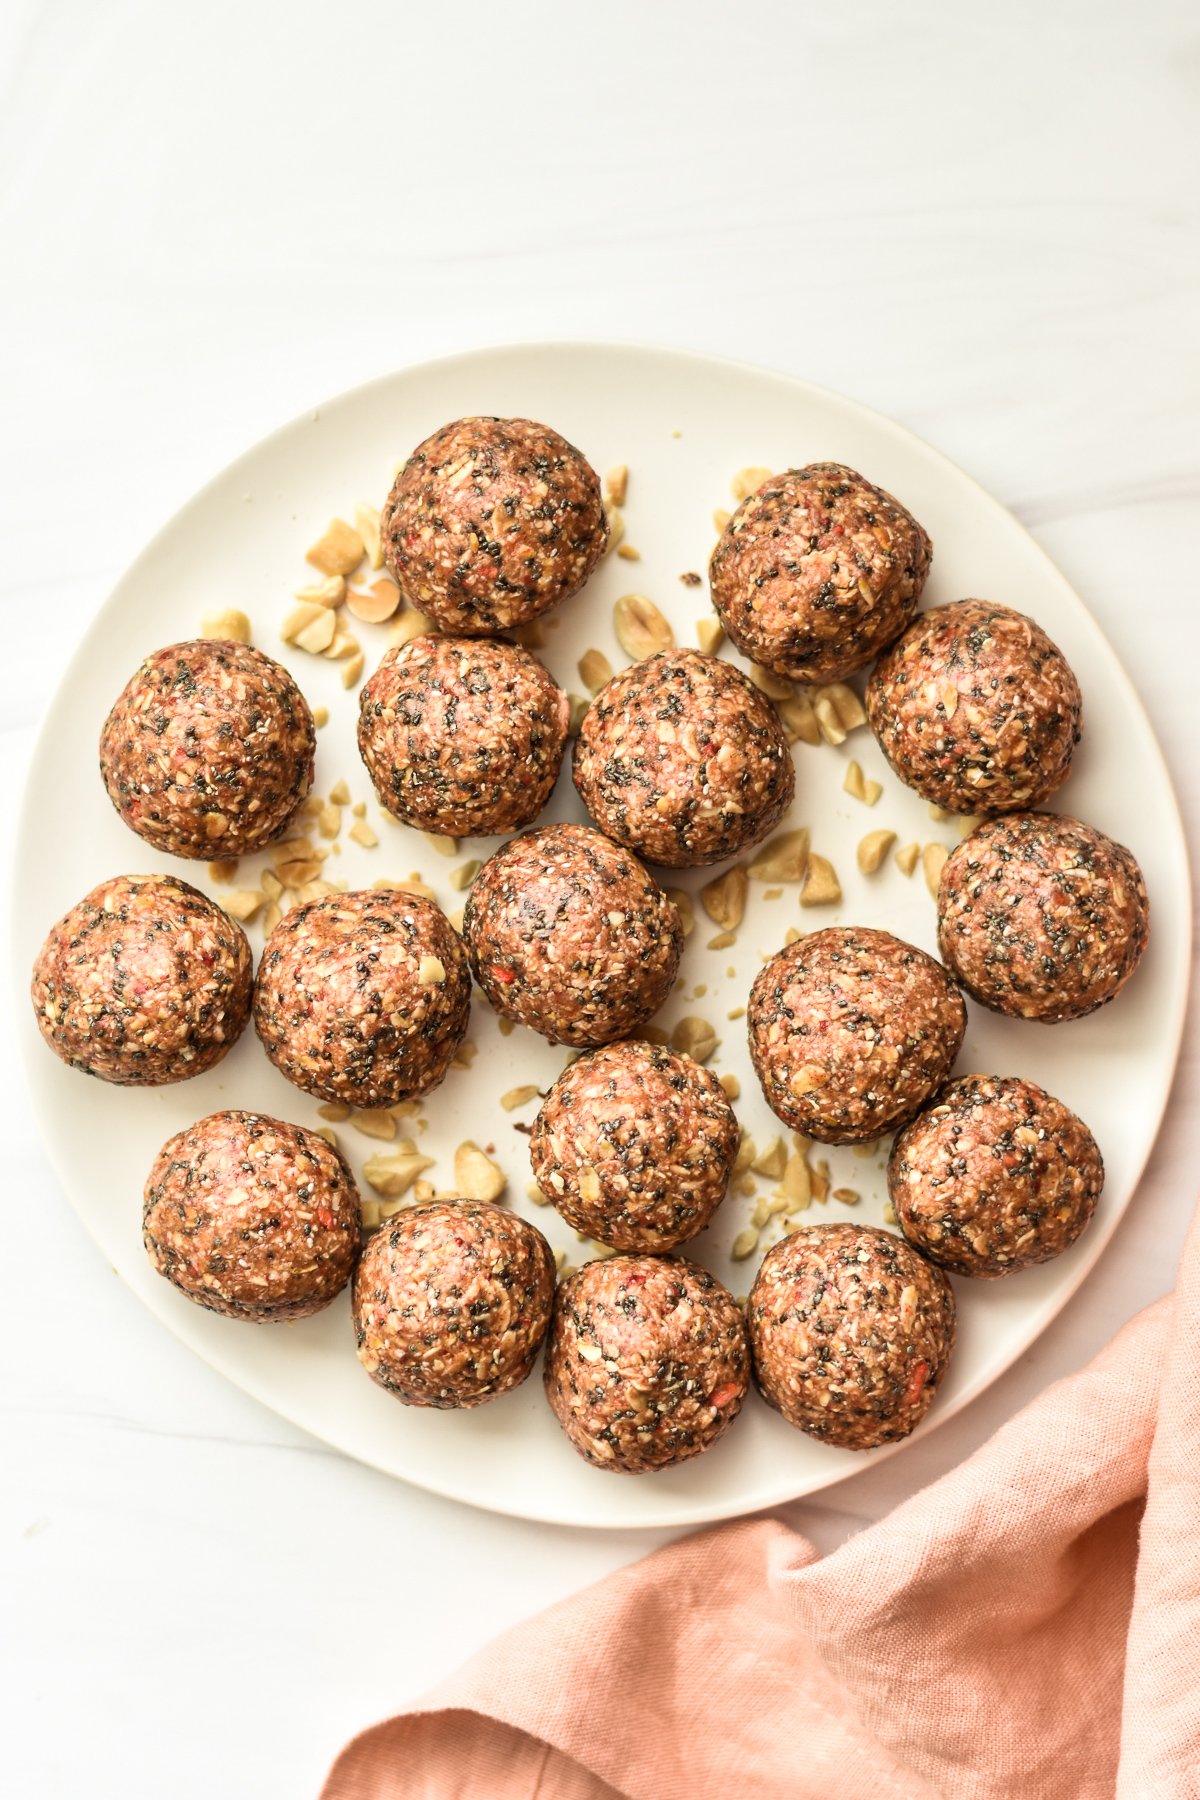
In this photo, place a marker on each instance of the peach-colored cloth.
(1028, 1628)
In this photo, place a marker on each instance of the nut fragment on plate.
(907, 858)
(393, 1175)
(799, 720)
(783, 858)
(366, 523)
(595, 670)
(933, 860)
(461, 878)
(773, 686)
(411, 624)
(519, 1096)
(724, 900)
(748, 481)
(839, 711)
(682, 902)
(821, 885)
(243, 903)
(873, 849)
(772, 1161)
(616, 484)
(640, 627)
(476, 1176)
(373, 1123)
(233, 625)
(860, 786)
(710, 634)
(376, 604)
(330, 592)
(694, 1037)
(339, 551)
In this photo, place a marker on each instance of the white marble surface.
(982, 223)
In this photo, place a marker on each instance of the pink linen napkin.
(1027, 1628)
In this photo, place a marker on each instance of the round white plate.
(684, 424)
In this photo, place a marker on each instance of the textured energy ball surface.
(851, 1331)
(492, 522)
(996, 1176)
(251, 1217)
(1042, 916)
(208, 751)
(634, 1144)
(451, 1303)
(569, 935)
(682, 759)
(462, 736)
(363, 997)
(647, 1362)
(144, 982)
(851, 1032)
(817, 571)
(976, 709)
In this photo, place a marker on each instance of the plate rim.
(681, 1514)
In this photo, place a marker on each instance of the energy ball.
(145, 982)
(252, 1218)
(995, 1177)
(462, 736)
(851, 1032)
(1042, 917)
(817, 571)
(635, 1144)
(851, 1332)
(682, 759)
(451, 1303)
(569, 935)
(491, 522)
(976, 709)
(363, 998)
(209, 750)
(646, 1363)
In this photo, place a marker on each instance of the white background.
(981, 221)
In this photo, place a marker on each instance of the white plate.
(684, 424)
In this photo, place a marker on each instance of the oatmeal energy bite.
(682, 759)
(462, 736)
(569, 935)
(976, 709)
(363, 997)
(851, 1032)
(208, 750)
(995, 1176)
(252, 1218)
(144, 982)
(647, 1363)
(451, 1303)
(817, 571)
(851, 1333)
(491, 522)
(635, 1144)
(1042, 916)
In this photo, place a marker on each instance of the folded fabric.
(1027, 1628)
